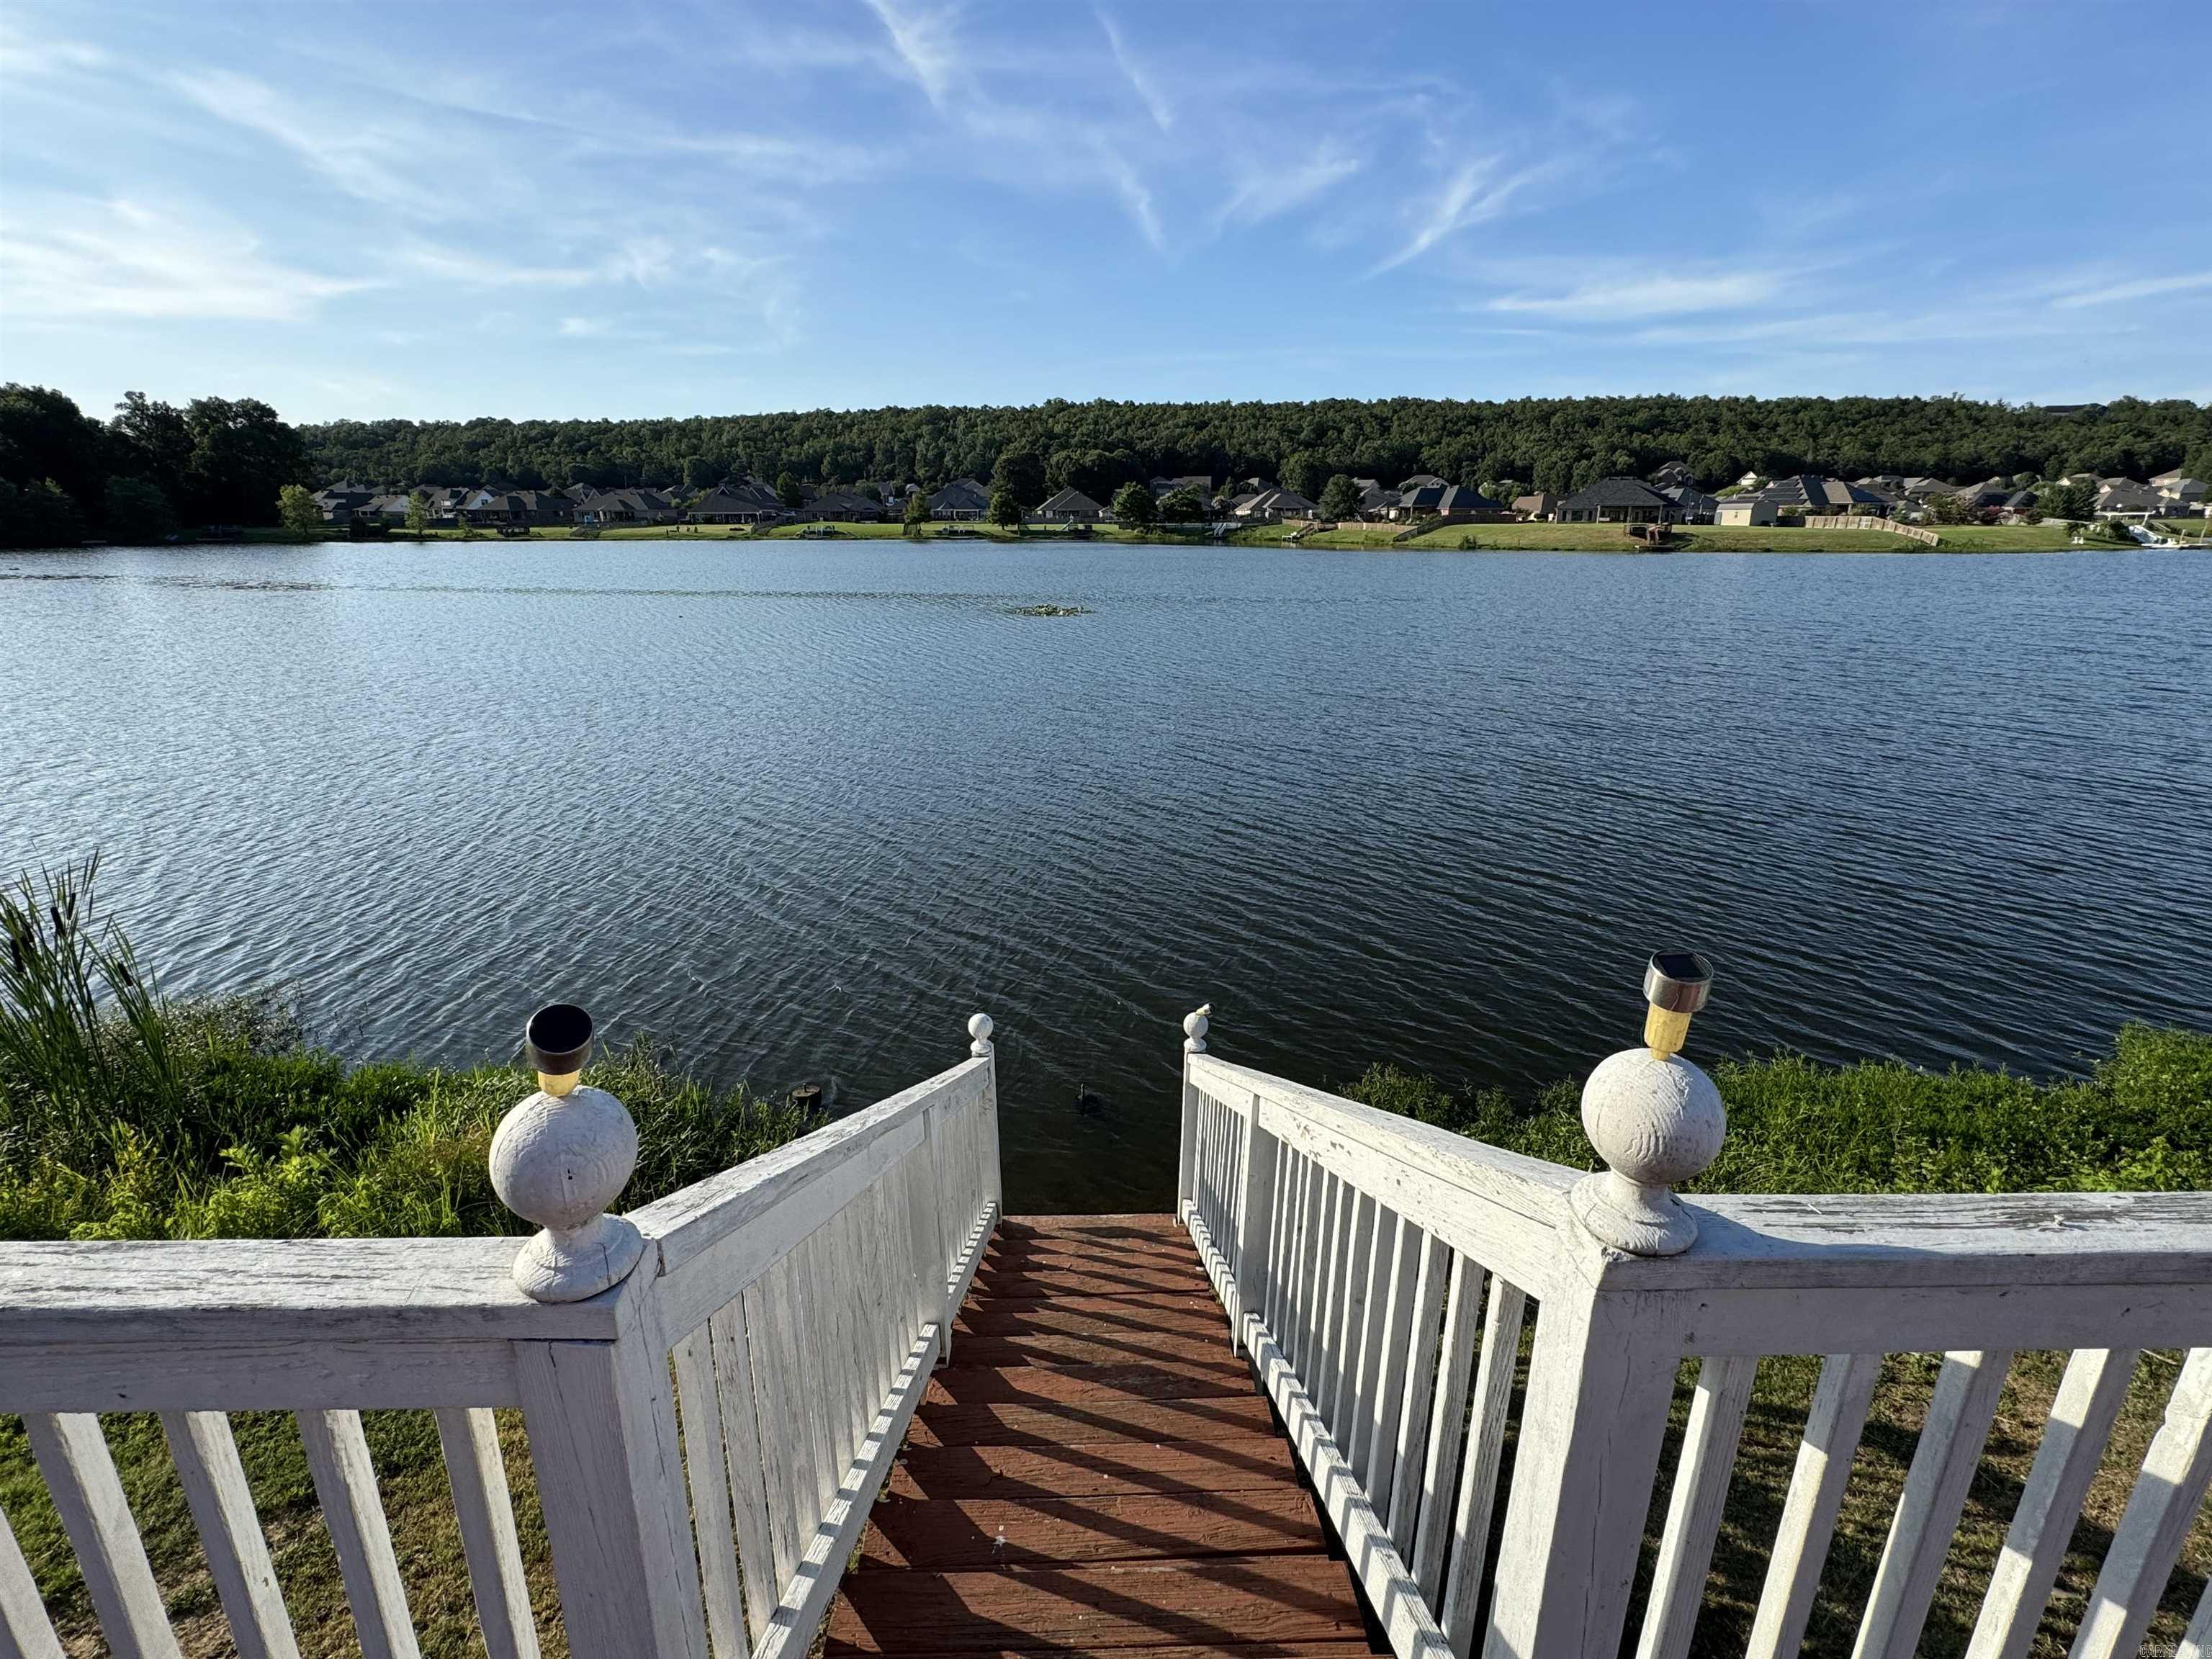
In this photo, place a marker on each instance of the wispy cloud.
(77, 259)
(1659, 294)
(923, 40)
(1148, 94)
(1267, 192)
(1475, 192)
(364, 157)
(2142, 289)
(1135, 196)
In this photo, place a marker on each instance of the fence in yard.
(1888, 527)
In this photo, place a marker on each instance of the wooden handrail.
(1377, 1271)
(800, 1302)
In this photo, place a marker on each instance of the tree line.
(65, 475)
(1554, 443)
(150, 469)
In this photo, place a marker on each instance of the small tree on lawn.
(917, 507)
(298, 511)
(1184, 504)
(418, 513)
(788, 490)
(1006, 510)
(1340, 498)
(1135, 504)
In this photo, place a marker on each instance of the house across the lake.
(1616, 501)
(963, 500)
(1069, 506)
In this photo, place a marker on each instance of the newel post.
(979, 1029)
(1194, 1043)
(601, 1415)
(1655, 1119)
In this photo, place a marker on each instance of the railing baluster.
(1412, 1430)
(1601, 1379)
(1389, 1283)
(477, 1471)
(2082, 1418)
(1486, 1452)
(1256, 1225)
(1446, 1424)
(1313, 1224)
(1379, 1445)
(1336, 1222)
(1355, 1222)
(2195, 1641)
(214, 1481)
(25, 1632)
(705, 1462)
(734, 1386)
(1832, 1428)
(345, 1486)
(1693, 1509)
(1957, 1422)
(2169, 1493)
(80, 1476)
(783, 1444)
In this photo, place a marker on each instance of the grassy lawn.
(1699, 538)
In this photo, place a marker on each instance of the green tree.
(1340, 498)
(1134, 504)
(872, 493)
(1006, 510)
(419, 517)
(787, 489)
(39, 514)
(151, 441)
(2068, 501)
(1305, 473)
(298, 510)
(138, 511)
(700, 473)
(917, 508)
(1184, 504)
(242, 457)
(1021, 472)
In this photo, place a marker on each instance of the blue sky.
(616, 209)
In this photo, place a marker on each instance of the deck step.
(1095, 1473)
(1231, 1599)
(982, 1531)
(1236, 1463)
(1071, 1424)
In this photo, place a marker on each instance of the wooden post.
(1252, 1228)
(601, 1420)
(1600, 1383)
(1194, 1043)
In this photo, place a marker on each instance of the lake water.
(800, 809)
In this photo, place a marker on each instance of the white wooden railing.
(708, 1433)
(1380, 1272)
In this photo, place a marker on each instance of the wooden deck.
(1094, 1471)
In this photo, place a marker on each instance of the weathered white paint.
(602, 1438)
(1693, 1509)
(1398, 1603)
(2195, 1641)
(25, 1630)
(1656, 1121)
(477, 1471)
(80, 1476)
(1412, 1441)
(2169, 1493)
(1957, 1422)
(2081, 1418)
(559, 1160)
(208, 1468)
(345, 1487)
(1807, 1526)
(705, 1462)
(745, 1463)
(1479, 1468)
(1462, 1326)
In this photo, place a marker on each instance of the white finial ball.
(980, 1028)
(560, 1161)
(1194, 1027)
(1655, 1122)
